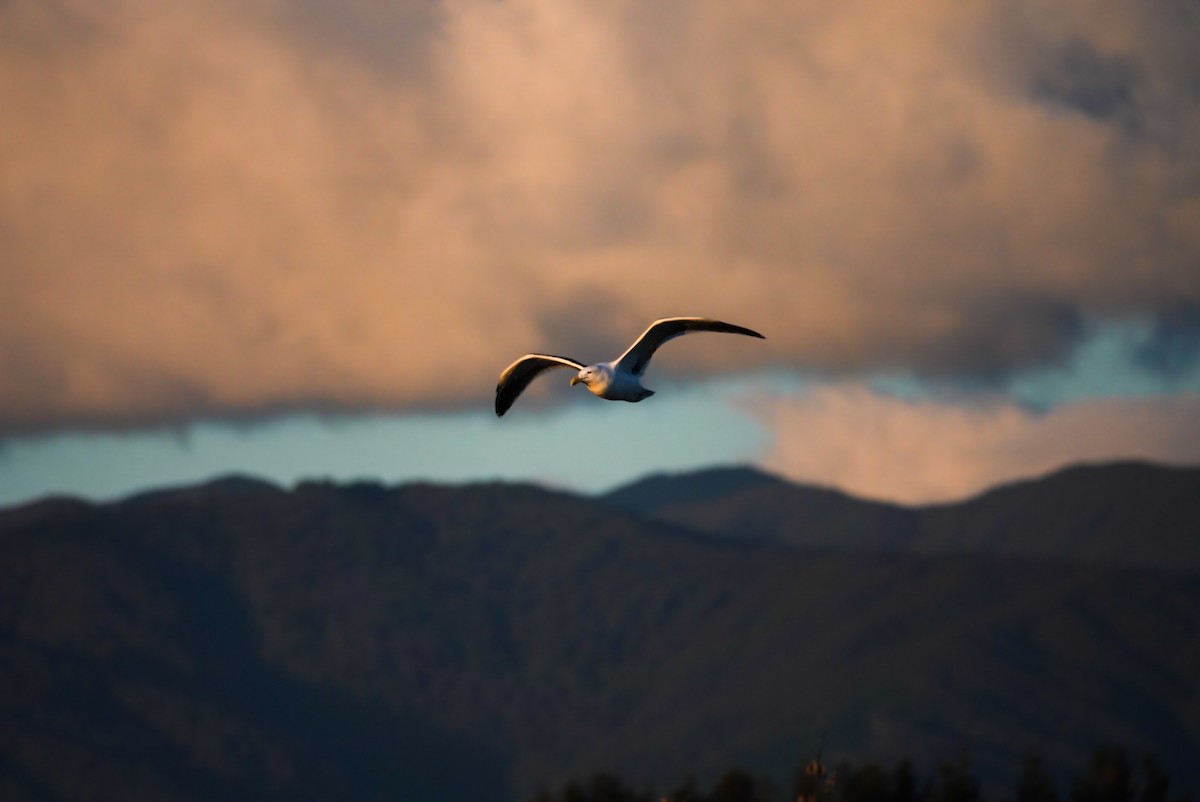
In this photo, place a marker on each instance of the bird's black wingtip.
(502, 405)
(747, 332)
(733, 328)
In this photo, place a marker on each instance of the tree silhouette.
(904, 782)
(866, 783)
(605, 787)
(686, 791)
(573, 792)
(955, 783)
(1109, 779)
(1155, 782)
(811, 781)
(736, 785)
(1034, 783)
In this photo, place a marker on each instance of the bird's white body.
(606, 381)
(618, 380)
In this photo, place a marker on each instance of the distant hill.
(1119, 514)
(240, 641)
(745, 503)
(1131, 514)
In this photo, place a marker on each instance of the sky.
(301, 239)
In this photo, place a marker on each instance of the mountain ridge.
(1077, 513)
(232, 635)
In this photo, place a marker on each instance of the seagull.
(619, 380)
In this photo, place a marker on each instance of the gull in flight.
(619, 380)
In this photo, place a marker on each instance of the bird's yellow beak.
(575, 380)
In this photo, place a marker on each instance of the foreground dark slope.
(239, 642)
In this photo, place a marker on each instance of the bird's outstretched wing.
(638, 356)
(517, 376)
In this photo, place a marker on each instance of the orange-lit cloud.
(921, 451)
(237, 207)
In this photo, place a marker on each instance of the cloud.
(885, 447)
(238, 208)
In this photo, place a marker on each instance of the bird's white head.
(586, 375)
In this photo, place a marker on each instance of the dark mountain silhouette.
(745, 503)
(1130, 513)
(1119, 514)
(239, 641)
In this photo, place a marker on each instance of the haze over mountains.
(239, 641)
